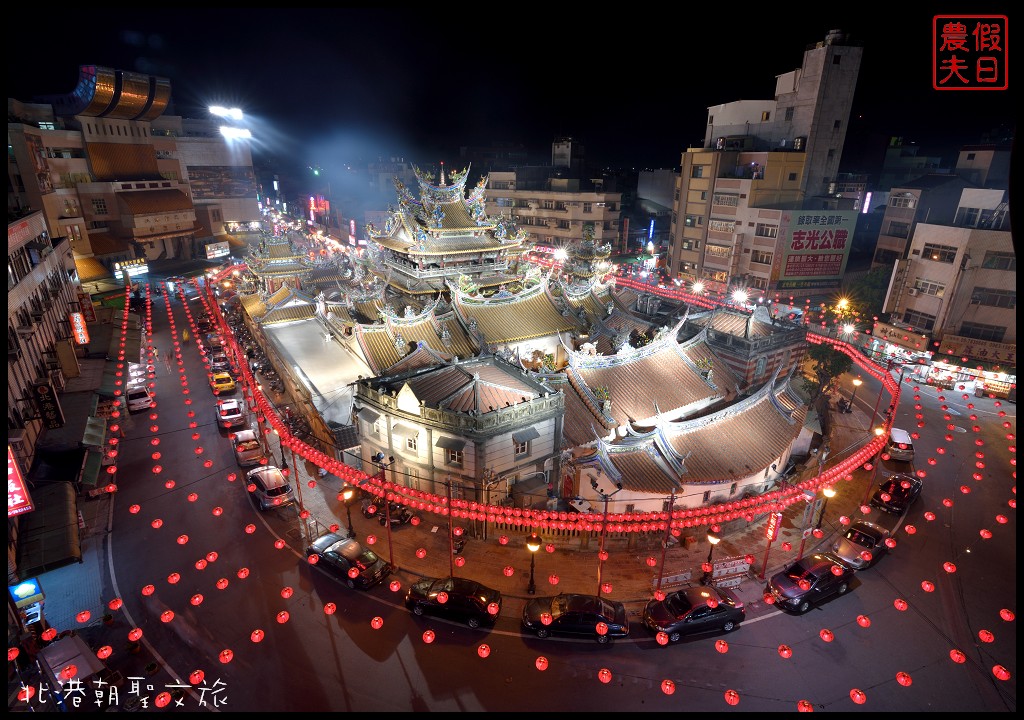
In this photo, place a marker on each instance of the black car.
(338, 555)
(464, 600)
(574, 614)
(897, 493)
(809, 581)
(693, 611)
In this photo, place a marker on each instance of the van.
(900, 446)
(139, 398)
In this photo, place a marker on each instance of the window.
(927, 287)
(549, 204)
(792, 177)
(886, 257)
(970, 156)
(697, 171)
(994, 297)
(903, 201)
(723, 226)
(587, 207)
(410, 444)
(919, 320)
(765, 230)
(378, 428)
(836, 59)
(837, 124)
(711, 119)
(967, 217)
(999, 261)
(789, 114)
(898, 229)
(760, 256)
(979, 331)
(522, 448)
(762, 364)
(765, 116)
(831, 154)
(939, 253)
(725, 199)
(453, 457)
(717, 251)
(693, 221)
(99, 206)
(703, 194)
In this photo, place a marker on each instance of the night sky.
(323, 87)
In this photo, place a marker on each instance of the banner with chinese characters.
(47, 403)
(78, 329)
(913, 341)
(956, 347)
(86, 306)
(815, 246)
(18, 499)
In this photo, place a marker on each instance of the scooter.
(399, 515)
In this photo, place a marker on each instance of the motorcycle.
(400, 515)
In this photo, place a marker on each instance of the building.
(956, 292)
(737, 209)
(121, 180)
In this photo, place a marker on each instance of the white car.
(270, 487)
(230, 414)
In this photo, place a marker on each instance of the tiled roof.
(421, 357)
(280, 294)
(283, 268)
(502, 322)
(626, 297)
(367, 309)
(480, 386)
(580, 423)
(151, 202)
(736, 324)
(279, 250)
(378, 345)
(641, 473)
(721, 375)
(340, 312)
(756, 437)
(90, 269)
(289, 314)
(636, 384)
(112, 162)
(253, 305)
(103, 243)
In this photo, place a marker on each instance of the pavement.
(567, 563)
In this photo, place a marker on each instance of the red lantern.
(804, 706)
(957, 656)
(509, 571)
(826, 635)
(722, 646)
(541, 663)
(900, 604)
(986, 636)
(732, 697)
(428, 636)
(1000, 672)
(864, 621)
(553, 579)
(903, 679)
(668, 687)
(662, 638)
(395, 586)
(606, 587)
(377, 623)
(422, 553)
(785, 651)
(858, 696)
(483, 650)
(604, 675)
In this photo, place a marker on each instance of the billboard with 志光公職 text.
(815, 247)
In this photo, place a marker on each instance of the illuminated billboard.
(815, 247)
(18, 499)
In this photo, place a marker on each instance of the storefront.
(982, 367)
(899, 345)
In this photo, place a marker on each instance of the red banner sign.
(18, 499)
(85, 304)
(78, 329)
(774, 523)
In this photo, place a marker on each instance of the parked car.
(222, 382)
(139, 398)
(247, 447)
(464, 600)
(219, 362)
(693, 611)
(809, 581)
(213, 340)
(860, 538)
(897, 493)
(270, 487)
(900, 445)
(339, 554)
(576, 615)
(230, 414)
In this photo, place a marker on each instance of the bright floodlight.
(697, 287)
(848, 328)
(740, 296)
(233, 133)
(561, 254)
(233, 113)
(843, 303)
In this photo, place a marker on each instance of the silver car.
(270, 487)
(861, 545)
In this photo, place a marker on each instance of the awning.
(95, 432)
(403, 430)
(368, 415)
(449, 443)
(525, 435)
(48, 536)
(91, 468)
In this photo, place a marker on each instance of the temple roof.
(530, 314)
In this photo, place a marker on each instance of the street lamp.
(857, 382)
(829, 493)
(604, 528)
(713, 539)
(347, 494)
(533, 545)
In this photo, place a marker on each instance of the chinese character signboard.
(955, 347)
(216, 250)
(86, 306)
(774, 523)
(915, 342)
(18, 499)
(137, 266)
(48, 404)
(815, 247)
(78, 329)
(969, 52)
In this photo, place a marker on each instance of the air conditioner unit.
(912, 292)
(57, 380)
(37, 315)
(16, 439)
(13, 354)
(26, 330)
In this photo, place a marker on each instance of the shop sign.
(955, 347)
(915, 342)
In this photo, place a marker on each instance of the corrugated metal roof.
(149, 202)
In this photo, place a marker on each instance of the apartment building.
(751, 207)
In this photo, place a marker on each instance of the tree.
(829, 364)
